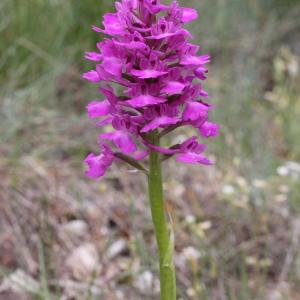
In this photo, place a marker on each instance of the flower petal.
(169, 34)
(193, 158)
(92, 76)
(173, 87)
(189, 14)
(145, 100)
(121, 139)
(98, 164)
(97, 29)
(113, 66)
(160, 121)
(200, 72)
(195, 111)
(104, 121)
(132, 45)
(97, 109)
(95, 167)
(148, 73)
(141, 154)
(94, 56)
(209, 129)
(102, 73)
(187, 60)
(113, 25)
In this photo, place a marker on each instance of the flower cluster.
(150, 76)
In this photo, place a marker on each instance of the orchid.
(158, 71)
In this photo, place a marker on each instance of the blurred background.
(63, 236)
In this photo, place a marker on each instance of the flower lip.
(161, 121)
(93, 56)
(191, 152)
(98, 164)
(113, 25)
(195, 60)
(121, 139)
(173, 87)
(189, 14)
(195, 111)
(169, 34)
(92, 76)
(97, 109)
(145, 100)
(147, 73)
(209, 129)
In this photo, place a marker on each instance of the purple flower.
(113, 66)
(187, 60)
(195, 111)
(98, 164)
(209, 129)
(122, 140)
(92, 76)
(173, 87)
(161, 121)
(148, 55)
(144, 100)
(122, 136)
(97, 109)
(189, 14)
(191, 152)
(147, 73)
(113, 24)
(94, 56)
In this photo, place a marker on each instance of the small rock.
(179, 190)
(282, 171)
(116, 248)
(146, 283)
(293, 166)
(259, 183)
(13, 295)
(228, 189)
(75, 228)
(284, 188)
(83, 262)
(281, 198)
(19, 282)
(279, 292)
(190, 219)
(190, 253)
(120, 295)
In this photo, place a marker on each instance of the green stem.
(164, 240)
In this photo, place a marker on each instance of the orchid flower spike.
(148, 54)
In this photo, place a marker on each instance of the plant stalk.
(164, 239)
